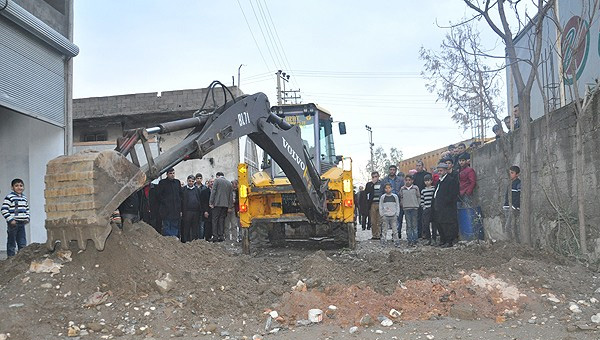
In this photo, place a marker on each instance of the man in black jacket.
(419, 177)
(190, 211)
(445, 214)
(169, 196)
(206, 210)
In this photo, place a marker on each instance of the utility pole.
(370, 131)
(281, 76)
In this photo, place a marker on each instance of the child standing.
(410, 198)
(513, 210)
(389, 209)
(15, 210)
(426, 198)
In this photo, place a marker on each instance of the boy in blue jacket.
(15, 210)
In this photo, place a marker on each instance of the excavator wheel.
(344, 235)
(82, 191)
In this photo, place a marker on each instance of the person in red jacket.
(467, 179)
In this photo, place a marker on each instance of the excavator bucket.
(82, 191)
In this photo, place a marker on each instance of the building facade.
(99, 121)
(36, 52)
(570, 52)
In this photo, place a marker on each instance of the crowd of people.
(190, 211)
(427, 201)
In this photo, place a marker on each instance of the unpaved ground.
(475, 291)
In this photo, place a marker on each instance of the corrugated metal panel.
(31, 75)
(35, 26)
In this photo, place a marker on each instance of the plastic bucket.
(470, 224)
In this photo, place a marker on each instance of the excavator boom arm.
(82, 190)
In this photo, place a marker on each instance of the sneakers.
(397, 244)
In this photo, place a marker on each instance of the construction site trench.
(146, 286)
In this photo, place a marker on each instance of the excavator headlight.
(243, 208)
(243, 191)
(347, 185)
(348, 203)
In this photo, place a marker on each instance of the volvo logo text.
(293, 153)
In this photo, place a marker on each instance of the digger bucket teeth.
(82, 191)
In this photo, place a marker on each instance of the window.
(327, 148)
(95, 137)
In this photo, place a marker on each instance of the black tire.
(277, 234)
(344, 235)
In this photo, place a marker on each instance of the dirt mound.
(150, 285)
(206, 280)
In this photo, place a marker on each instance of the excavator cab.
(316, 129)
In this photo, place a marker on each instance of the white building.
(35, 97)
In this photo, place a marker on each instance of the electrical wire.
(252, 34)
(263, 34)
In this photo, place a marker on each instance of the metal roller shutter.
(32, 77)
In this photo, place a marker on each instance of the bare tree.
(382, 160)
(486, 9)
(460, 76)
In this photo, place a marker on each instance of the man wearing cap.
(445, 214)
(467, 180)
(170, 199)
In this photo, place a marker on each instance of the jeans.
(389, 222)
(375, 221)
(16, 238)
(400, 217)
(201, 229)
(411, 224)
(171, 227)
(232, 226)
(428, 228)
(512, 225)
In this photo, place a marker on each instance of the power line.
(263, 35)
(288, 65)
(270, 34)
(251, 33)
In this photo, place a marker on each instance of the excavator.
(84, 189)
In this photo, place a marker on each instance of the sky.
(358, 59)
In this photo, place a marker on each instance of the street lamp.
(370, 131)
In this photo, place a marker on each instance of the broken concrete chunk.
(164, 284)
(386, 322)
(46, 266)
(395, 314)
(366, 321)
(96, 299)
(315, 315)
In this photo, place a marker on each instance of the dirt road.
(147, 286)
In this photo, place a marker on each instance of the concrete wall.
(52, 12)
(224, 159)
(112, 114)
(27, 145)
(492, 161)
(161, 103)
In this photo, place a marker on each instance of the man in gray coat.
(221, 201)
